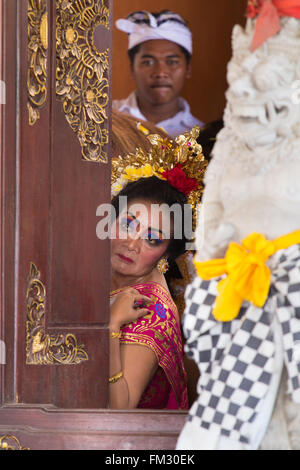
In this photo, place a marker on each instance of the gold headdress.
(179, 161)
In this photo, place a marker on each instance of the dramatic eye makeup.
(129, 223)
(154, 238)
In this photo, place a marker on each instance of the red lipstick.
(125, 259)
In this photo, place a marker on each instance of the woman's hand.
(125, 308)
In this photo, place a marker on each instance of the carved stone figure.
(252, 183)
(248, 364)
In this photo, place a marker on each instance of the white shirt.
(181, 122)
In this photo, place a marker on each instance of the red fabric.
(268, 20)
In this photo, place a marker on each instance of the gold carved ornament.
(165, 154)
(43, 348)
(37, 57)
(82, 73)
(9, 442)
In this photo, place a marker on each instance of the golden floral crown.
(179, 161)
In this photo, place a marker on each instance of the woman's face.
(141, 237)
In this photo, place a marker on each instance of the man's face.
(160, 69)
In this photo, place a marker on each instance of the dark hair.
(134, 50)
(208, 135)
(157, 191)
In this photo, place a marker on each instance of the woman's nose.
(133, 243)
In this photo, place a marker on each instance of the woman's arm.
(137, 363)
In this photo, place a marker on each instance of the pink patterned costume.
(160, 331)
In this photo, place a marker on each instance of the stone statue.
(252, 184)
(248, 363)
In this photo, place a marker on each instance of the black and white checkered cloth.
(236, 359)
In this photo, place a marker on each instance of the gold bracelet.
(115, 378)
(113, 334)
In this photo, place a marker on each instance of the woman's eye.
(153, 240)
(127, 224)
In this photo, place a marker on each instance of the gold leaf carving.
(42, 348)
(37, 58)
(9, 442)
(82, 73)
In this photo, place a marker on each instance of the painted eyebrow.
(135, 219)
(150, 229)
(131, 215)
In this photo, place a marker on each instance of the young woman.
(146, 343)
(146, 350)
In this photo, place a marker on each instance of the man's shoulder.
(186, 115)
(192, 121)
(119, 105)
(128, 106)
(181, 122)
(126, 103)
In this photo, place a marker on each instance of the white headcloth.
(143, 26)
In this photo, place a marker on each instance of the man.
(159, 49)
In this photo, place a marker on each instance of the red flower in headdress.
(178, 179)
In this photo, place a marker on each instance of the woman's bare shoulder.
(158, 278)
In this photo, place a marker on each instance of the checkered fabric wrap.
(235, 358)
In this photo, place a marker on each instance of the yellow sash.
(248, 276)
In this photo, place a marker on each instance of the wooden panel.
(8, 196)
(2, 83)
(51, 256)
(79, 261)
(52, 429)
(50, 198)
(211, 24)
(34, 384)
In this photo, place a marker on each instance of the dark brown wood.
(49, 196)
(34, 383)
(2, 369)
(51, 429)
(8, 196)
